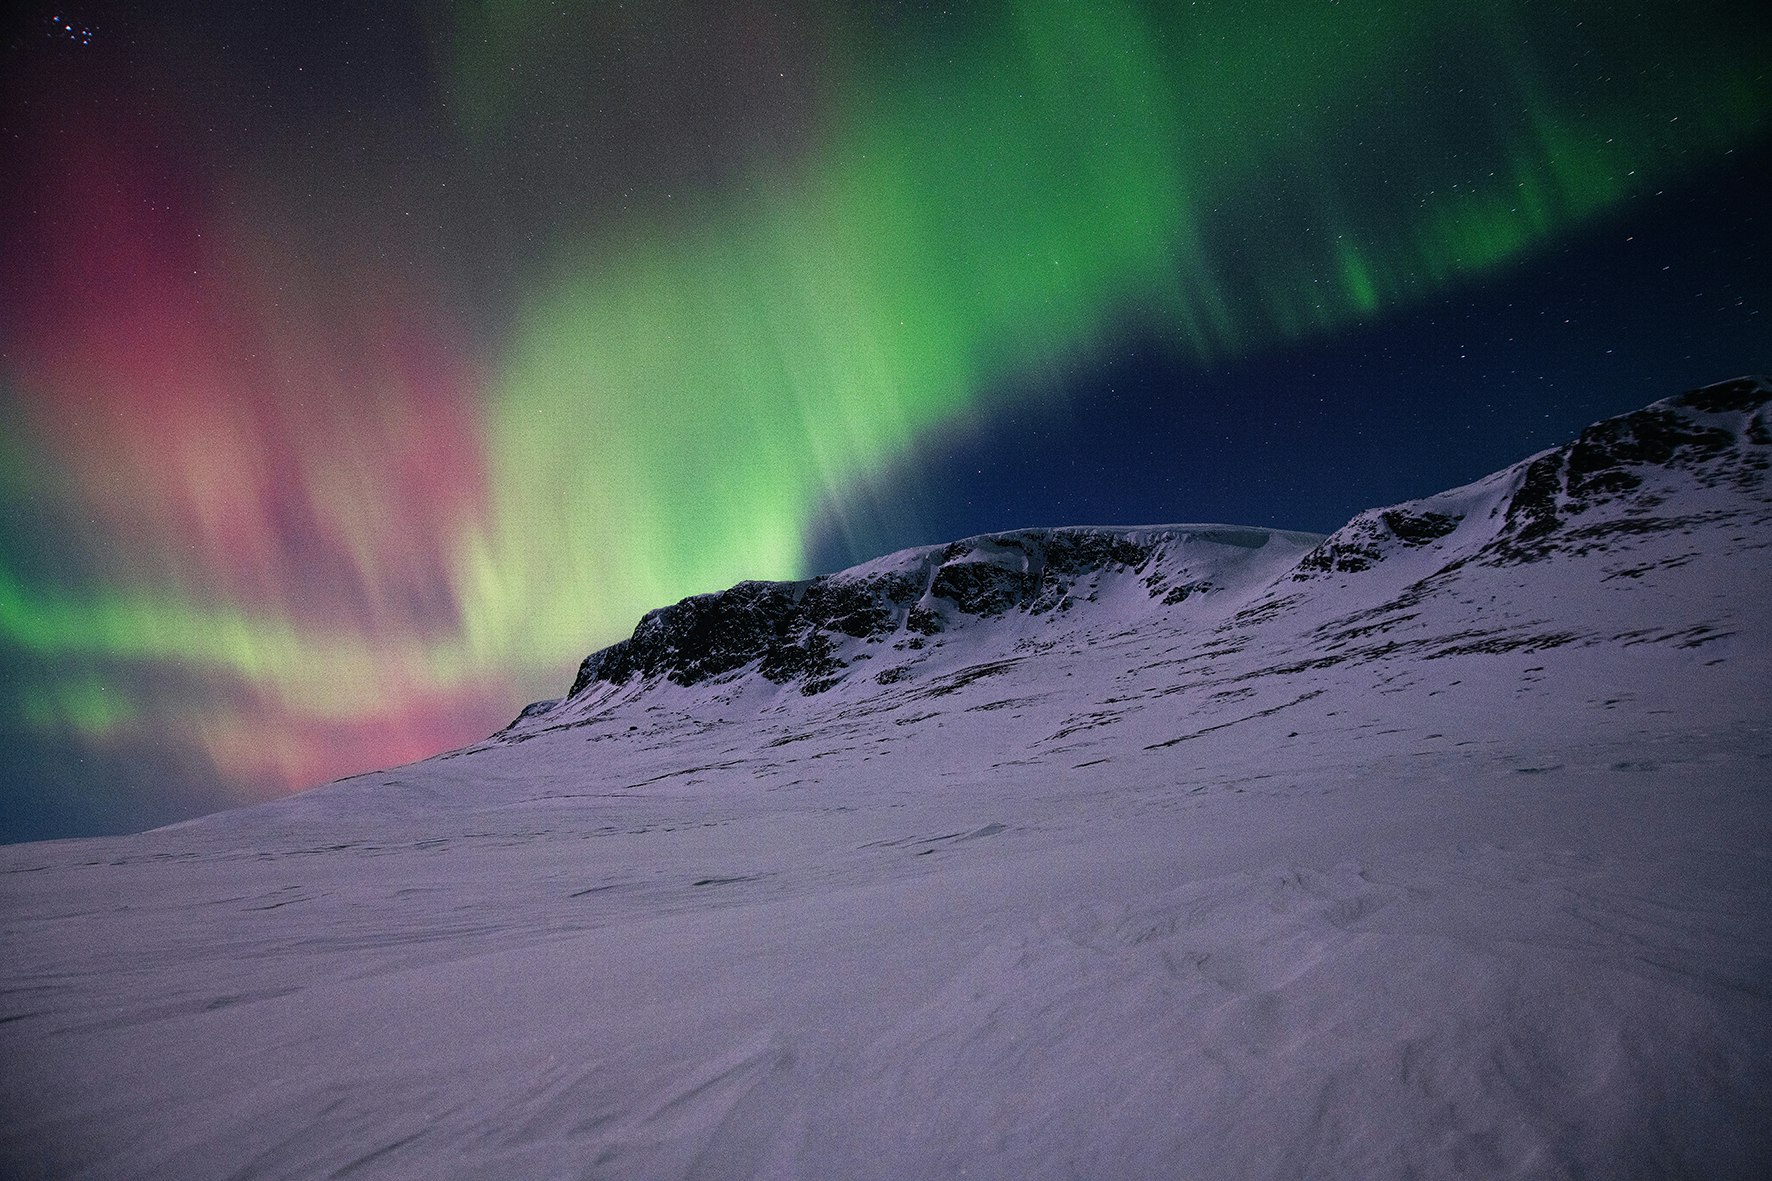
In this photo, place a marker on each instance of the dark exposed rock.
(1739, 395)
(923, 621)
(1418, 528)
(861, 609)
(1351, 549)
(786, 626)
(1080, 552)
(700, 637)
(790, 630)
(811, 657)
(1532, 512)
(1186, 590)
(979, 587)
(1608, 461)
(1362, 542)
(1599, 461)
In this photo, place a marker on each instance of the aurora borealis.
(367, 365)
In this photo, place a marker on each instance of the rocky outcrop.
(784, 625)
(1716, 434)
(795, 631)
(1363, 542)
(1713, 435)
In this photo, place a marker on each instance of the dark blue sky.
(1670, 292)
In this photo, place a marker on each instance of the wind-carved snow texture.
(1438, 847)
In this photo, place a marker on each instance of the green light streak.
(336, 675)
(682, 396)
(84, 705)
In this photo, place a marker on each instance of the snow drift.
(1436, 847)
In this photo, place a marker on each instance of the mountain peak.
(870, 623)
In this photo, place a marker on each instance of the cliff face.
(809, 632)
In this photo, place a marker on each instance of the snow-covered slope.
(1438, 847)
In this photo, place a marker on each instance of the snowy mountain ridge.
(813, 631)
(872, 623)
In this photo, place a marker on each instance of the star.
(62, 29)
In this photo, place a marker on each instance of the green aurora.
(684, 396)
(686, 388)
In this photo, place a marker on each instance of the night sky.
(365, 365)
